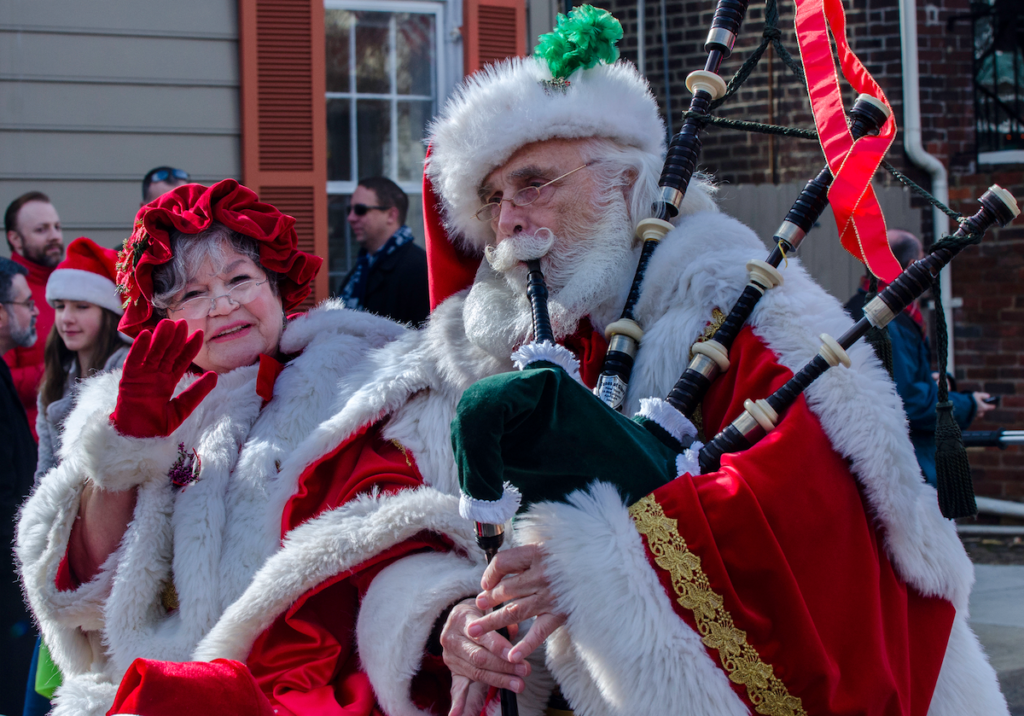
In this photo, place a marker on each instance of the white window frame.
(443, 79)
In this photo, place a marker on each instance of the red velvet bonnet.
(191, 208)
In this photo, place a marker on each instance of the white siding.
(93, 95)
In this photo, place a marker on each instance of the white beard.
(587, 274)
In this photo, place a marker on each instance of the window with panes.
(383, 66)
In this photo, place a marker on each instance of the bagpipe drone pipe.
(711, 357)
(680, 162)
(760, 417)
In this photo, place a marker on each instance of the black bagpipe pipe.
(760, 417)
(993, 438)
(712, 357)
(680, 162)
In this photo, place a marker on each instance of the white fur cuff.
(675, 423)
(687, 461)
(491, 512)
(550, 352)
(115, 462)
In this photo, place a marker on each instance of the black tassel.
(878, 338)
(953, 471)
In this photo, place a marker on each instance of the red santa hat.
(87, 274)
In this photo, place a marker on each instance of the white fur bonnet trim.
(491, 512)
(504, 107)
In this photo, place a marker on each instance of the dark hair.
(905, 246)
(388, 194)
(171, 179)
(11, 215)
(57, 359)
(8, 270)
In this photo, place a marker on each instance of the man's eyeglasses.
(362, 209)
(27, 304)
(238, 295)
(165, 174)
(523, 197)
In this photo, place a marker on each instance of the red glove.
(155, 364)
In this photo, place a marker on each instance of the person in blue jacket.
(915, 381)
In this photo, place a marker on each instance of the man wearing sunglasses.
(390, 275)
(160, 180)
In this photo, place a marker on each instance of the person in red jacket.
(36, 242)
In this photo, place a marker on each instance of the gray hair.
(189, 251)
(618, 167)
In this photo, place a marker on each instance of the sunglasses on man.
(362, 209)
(165, 174)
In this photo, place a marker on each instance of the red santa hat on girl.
(87, 274)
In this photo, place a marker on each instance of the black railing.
(998, 75)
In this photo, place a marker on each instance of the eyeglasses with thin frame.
(201, 306)
(165, 174)
(524, 197)
(363, 209)
(29, 304)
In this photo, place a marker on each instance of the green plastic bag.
(48, 676)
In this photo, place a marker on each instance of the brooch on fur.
(185, 469)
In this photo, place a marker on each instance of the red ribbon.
(858, 215)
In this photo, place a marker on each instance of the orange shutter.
(491, 31)
(284, 125)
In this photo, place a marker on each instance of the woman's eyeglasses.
(238, 295)
(362, 209)
(523, 197)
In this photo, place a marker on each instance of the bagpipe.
(760, 417)
(707, 85)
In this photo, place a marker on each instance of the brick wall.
(989, 328)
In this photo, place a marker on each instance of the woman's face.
(235, 332)
(78, 324)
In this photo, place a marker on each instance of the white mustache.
(524, 247)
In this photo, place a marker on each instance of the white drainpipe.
(921, 158)
(641, 36)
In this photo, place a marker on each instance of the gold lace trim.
(741, 661)
(717, 319)
(169, 596)
(405, 453)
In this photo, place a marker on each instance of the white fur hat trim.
(70, 284)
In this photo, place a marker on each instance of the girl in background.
(83, 341)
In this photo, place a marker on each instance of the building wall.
(93, 95)
(989, 328)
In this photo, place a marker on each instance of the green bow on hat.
(581, 40)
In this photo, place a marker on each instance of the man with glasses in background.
(161, 180)
(390, 275)
(18, 314)
(36, 242)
